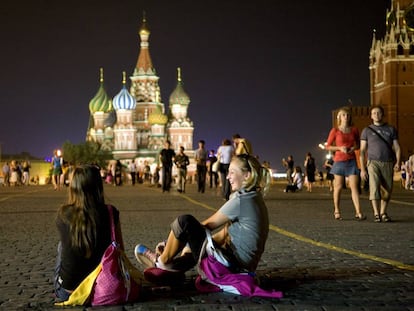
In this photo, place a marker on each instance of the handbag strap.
(382, 138)
(112, 222)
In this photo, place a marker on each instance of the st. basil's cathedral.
(134, 124)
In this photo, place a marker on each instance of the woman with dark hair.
(84, 230)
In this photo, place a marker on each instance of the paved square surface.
(319, 263)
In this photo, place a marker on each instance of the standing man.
(57, 162)
(166, 158)
(132, 168)
(201, 160)
(181, 161)
(379, 142)
(6, 174)
(241, 145)
(288, 164)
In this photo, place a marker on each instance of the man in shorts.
(379, 142)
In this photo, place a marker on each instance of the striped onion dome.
(101, 101)
(157, 117)
(124, 100)
(179, 96)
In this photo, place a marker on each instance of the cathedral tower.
(180, 127)
(391, 66)
(145, 89)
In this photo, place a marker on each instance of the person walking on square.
(84, 230)
(380, 147)
(118, 173)
(132, 168)
(57, 162)
(224, 153)
(343, 140)
(166, 158)
(201, 160)
(181, 161)
(239, 229)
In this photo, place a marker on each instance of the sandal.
(360, 217)
(385, 218)
(377, 218)
(337, 216)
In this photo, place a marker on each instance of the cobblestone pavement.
(319, 263)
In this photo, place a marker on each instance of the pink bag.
(119, 281)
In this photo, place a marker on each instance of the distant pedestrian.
(379, 145)
(57, 162)
(132, 168)
(6, 174)
(26, 173)
(224, 154)
(212, 173)
(181, 161)
(289, 165)
(118, 173)
(166, 158)
(201, 160)
(310, 169)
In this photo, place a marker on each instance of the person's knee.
(184, 225)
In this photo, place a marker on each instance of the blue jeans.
(61, 293)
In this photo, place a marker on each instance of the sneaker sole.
(144, 260)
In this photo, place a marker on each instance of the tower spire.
(144, 61)
(101, 75)
(178, 74)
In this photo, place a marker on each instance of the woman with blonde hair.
(343, 140)
(239, 228)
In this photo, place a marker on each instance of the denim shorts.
(345, 168)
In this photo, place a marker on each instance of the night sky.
(270, 70)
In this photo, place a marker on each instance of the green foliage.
(85, 153)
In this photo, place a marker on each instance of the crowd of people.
(17, 173)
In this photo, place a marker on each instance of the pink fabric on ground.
(220, 275)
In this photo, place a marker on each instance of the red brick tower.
(391, 66)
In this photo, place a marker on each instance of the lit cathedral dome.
(124, 100)
(101, 101)
(157, 117)
(179, 96)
